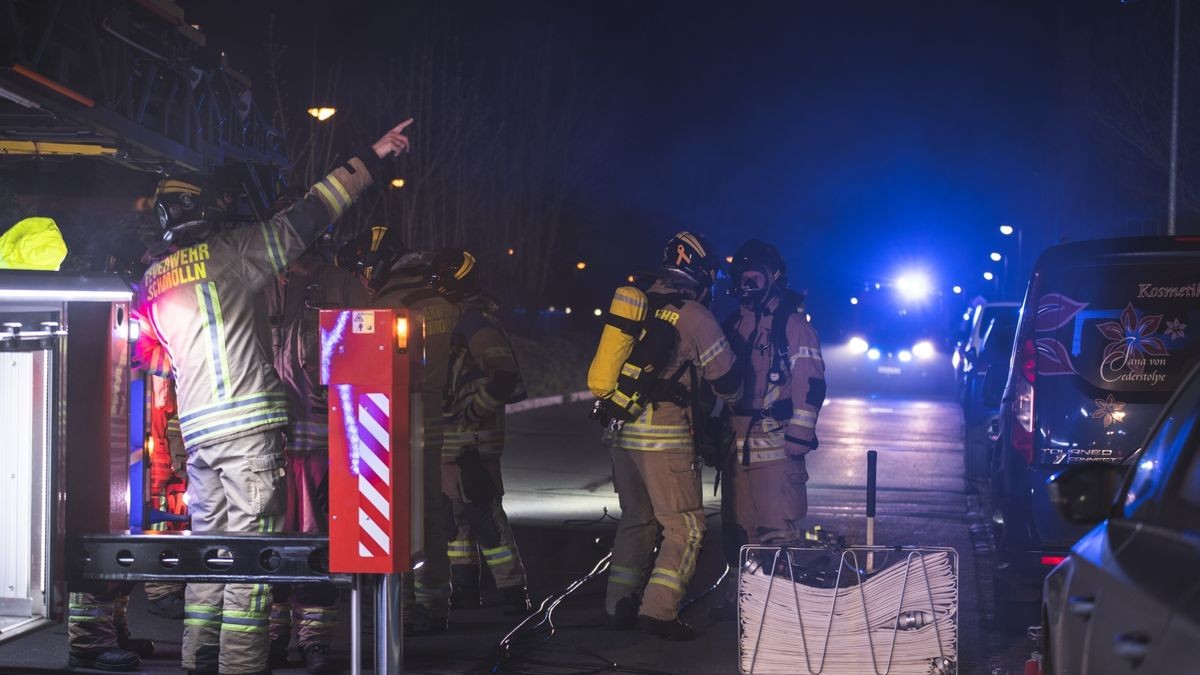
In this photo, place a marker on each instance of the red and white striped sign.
(374, 478)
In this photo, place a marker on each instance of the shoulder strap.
(660, 300)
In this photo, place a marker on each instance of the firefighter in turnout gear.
(309, 285)
(398, 277)
(656, 471)
(483, 377)
(204, 313)
(764, 495)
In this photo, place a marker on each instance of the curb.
(547, 401)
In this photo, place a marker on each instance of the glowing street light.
(1006, 230)
(597, 312)
(581, 265)
(567, 310)
(853, 301)
(957, 290)
(914, 286)
(512, 251)
(397, 183)
(996, 257)
(322, 113)
(989, 276)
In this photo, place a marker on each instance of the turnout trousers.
(311, 608)
(481, 529)
(94, 620)
(233, 486)
(659, 487)
(763, 503)
(429, 586)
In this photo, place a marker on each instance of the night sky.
(862, 137)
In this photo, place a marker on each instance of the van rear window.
(1122, 327)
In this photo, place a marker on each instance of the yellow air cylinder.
(628, 307)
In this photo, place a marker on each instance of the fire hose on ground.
(899, 621)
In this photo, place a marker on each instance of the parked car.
(1108, 330)
(981, 319)
(983, 386)
(1127, 598)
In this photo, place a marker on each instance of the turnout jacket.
(780, 417)
(482, 378)
(666, 425)
(439, 316)
(204, 315)
(305, 288)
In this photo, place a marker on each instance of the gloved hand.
(797, 448)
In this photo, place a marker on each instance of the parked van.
(1108, 330)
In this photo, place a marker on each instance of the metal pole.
(872, 460)
(1174, 169)
(389, 626)
(356, 626)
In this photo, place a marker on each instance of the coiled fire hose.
(897, 622)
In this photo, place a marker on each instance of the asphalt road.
(559, 487)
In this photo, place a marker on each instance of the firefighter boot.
(673, 629)
(318, 660)
(277, 656)
(465, 580)
(140, 646)
(625, 616)
(113, 660)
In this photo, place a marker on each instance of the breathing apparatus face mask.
(754, 285)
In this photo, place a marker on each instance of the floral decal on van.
(1054, 311)
(1174, 329)
(1131, 341)
(1110, 410)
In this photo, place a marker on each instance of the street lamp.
(581, 265)
(853, 301)
(1006, 230)
(957, 290)
(996, 257)
(397, 183)
(322, 113)
(988, 276)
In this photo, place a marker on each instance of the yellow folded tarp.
(32, 244)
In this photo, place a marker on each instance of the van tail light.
(1021, 428)
(1053, 560)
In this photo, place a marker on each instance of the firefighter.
(398, 277)
(483, 377)
(764, 496)
(309, 284)
(656, 471)
(204, 304)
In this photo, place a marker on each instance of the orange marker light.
(402, 333)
